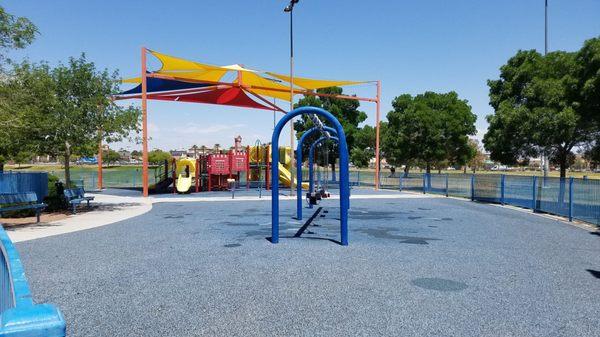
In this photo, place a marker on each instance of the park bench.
(20, 201)
(75, 196)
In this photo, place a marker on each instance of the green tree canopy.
(345, 110)
(110, 156)
(158, 157)
(429, 128)
(63, 109)
(15, 32)
(544, 105)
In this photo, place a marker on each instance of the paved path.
(118, 205)
(414, 267)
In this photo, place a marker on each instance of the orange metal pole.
(144, 127)
(100, 160)
(377, 118)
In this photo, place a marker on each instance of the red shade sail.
(227, 96)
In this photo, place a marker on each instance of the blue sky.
(411, 46)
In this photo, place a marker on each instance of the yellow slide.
(183, 184)
(186, 172)
(285, 175)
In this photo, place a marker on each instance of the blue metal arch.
(344, 171)
(299, 167)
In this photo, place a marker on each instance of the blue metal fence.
(19, 316)
(19, 182)
(573, 198)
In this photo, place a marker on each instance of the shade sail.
(177, 74)
(309, 83)
(159, 84)
(227, 96)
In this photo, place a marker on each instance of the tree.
(588, 59)
(22, 157)
(135, 154)
(345, 110)
(478, 159)
(66, 109)
(15, 32)
(111, 156)
(364, 146)
(430, 128)
(158, 157)
(538, 109)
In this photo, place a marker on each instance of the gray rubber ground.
(414, 267)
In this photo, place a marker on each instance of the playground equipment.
(322, 192)
(185, 171)
(183, 80)
(344, 172)
(19, 316)
(310, 195)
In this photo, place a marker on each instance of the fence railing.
(573, 198)
(19, 316)
(20, 182)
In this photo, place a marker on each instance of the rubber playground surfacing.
(414, 267)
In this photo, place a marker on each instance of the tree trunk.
(67, 163)
(465, 169)
(333, 178)
(428, 168)
(563, 167)
(406, 169)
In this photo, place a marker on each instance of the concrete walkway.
(117, 205)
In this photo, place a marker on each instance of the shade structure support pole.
(144, 127)
(100, 183)
(377, 122)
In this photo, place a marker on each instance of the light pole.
(290, 9)
(545, 163)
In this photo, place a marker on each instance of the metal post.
(100, 182)
(291, 10)
(401, 182)
(144, 127)
(534, 196)
(358, 178)
(502, 187)
(446, 184)
(472, 187)
(424, 183)
(570, 198)
(377, 122)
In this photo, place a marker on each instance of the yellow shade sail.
(184, 69)
(265, 87)
(266, 84)
(134, 80)
(311, 84)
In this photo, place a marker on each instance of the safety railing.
(19, 316)
(573, 198)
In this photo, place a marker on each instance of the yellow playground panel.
(258, 153)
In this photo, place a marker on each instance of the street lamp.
(290, 9)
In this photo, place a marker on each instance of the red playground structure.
(220, 167)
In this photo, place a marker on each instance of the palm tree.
(217, 147)
(195, 148)
(203, 149)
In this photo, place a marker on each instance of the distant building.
(178, 153)
(124, 155)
